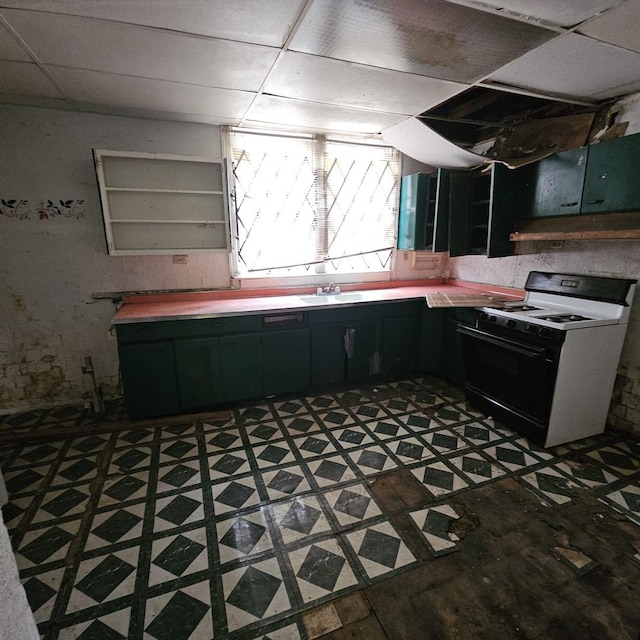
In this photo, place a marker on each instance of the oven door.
(512, 379)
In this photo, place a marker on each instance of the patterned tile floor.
(232, 528)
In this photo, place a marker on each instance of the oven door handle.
(529, 351)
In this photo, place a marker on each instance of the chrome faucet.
(330, 288)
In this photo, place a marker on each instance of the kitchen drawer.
(209, 327)
(143, 332)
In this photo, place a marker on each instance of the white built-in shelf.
(162, 204)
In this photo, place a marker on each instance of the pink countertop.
(211, 304)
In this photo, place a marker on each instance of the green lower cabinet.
(286, 361)
(328, 357)
(241, 364)
(361, 345)
(431, 325)
(199, 373)
(452, 363)
(149, 379)
(400, 344)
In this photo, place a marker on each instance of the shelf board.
(183, 191)
(599, 226)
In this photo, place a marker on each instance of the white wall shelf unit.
(162, 204)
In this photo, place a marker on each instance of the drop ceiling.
(347, 66)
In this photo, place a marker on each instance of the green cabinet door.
(460, 208)
(286, 357)
(199, 373)
(502, 210)
(452, 363)
(552, 186)
(328, 356)
(241, 364)
(412, 217)
(149, 379)
(361, 345)
(431, 326)
(611, 181)
(400, 345)
(439, 216)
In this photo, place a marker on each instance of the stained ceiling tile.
(10, 49)
(256, 21)
(425, 37)
(562, 13)
(573, 66)
(620, 26)
(26, 79)
(313, 115)
(141, 93)
(348, 84)
(101, 45)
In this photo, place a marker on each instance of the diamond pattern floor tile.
(321, 569)
(380, 549)
(280, 491)
(184, 614)
(254, 592)
(243, 536)
(300, 518)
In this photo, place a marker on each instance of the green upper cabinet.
(552, 186)
(482, 211)
(611, 181)
(423, 221)
(286, 358)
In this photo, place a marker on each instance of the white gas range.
(546, 366)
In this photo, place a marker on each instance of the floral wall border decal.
(46, 210)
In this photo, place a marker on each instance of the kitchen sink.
(334, 298)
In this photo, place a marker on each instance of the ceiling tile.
(10, 49)
(319, 117)
(316, 79)
(563, 13)
(425, 37)
(140, 51)
(573, 66)
(620, 26)
(26, 79)
(159, 95)
(254, 21)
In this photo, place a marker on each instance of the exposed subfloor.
(392, 511)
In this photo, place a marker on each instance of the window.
(158, 203)
(312, 204)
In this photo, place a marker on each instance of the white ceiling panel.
(9, 47)
(100, 45)
(26, 79)
(425, 37)
(573, 66)
(348, 84)
(256, 21)
(620, 26)
(313, 115)
(562, 13)
(141, 93)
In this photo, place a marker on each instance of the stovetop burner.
(520, 307)
(565, 317)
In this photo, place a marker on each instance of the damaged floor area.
(388, 512)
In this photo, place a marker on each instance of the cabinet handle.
(596, 201)
(569, 204)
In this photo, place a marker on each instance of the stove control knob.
(545, 333)
(492, 319)
(511, 323)
(532, 328)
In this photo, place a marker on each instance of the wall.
(53, 255)
(53, 258)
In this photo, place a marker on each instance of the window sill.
(259, 282)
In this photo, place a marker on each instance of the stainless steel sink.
(333, 298)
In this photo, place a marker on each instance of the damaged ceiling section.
(485, 124)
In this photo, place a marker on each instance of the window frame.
(278, 273)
